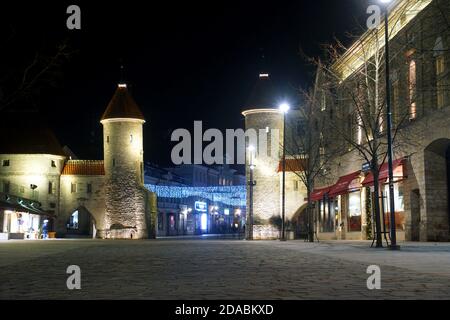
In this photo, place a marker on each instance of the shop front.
(22, 218)
(399, 176)
(21, 225)
(345, 210)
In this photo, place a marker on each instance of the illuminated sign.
(200, 206)
(226, 211)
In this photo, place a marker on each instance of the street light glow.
(284, 107)
(385, 1)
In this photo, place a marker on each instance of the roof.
(263, 94)
(122, 105)
(84, 168)
(27, 133)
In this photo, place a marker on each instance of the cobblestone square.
(221, 269)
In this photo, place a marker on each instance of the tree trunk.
(310, 215)
(375, 173)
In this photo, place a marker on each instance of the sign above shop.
(200, 206)
(365, 167)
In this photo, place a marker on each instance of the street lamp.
(393, 245)
(284, 108)
(251, 183)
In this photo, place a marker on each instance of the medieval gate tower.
(262, 116)
(125, 196)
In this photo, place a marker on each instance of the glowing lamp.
(284, 107)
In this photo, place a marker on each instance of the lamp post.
(251, 183)
(284, 108)
(393, 245)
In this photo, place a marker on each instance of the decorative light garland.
(229, 195)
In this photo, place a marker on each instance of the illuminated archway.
(80, 223)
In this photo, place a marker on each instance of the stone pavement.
(221, 269)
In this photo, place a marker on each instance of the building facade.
(420, 61)
(45, 192)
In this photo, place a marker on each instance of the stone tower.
(262, 115)
(125, 196)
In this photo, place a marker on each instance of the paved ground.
(221, 269)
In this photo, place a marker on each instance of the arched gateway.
(437, 198)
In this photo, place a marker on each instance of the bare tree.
(22, 78)
(354, 79)
(308, 146)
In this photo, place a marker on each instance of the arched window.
(440, 72)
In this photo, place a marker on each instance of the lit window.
(6, 163)
(440, 66)
(412, 81)
(323, 104)
(396, 102)
(359, 132)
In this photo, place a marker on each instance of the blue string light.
(229, 195)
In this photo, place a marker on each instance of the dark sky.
(184, 60)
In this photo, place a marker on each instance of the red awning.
(342, 186)
(318, 194)
(397, 166)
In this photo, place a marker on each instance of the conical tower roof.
(263, 94)
(122, 105)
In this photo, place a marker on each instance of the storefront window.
(399, 205)
(326, 216)
(354, 211)
(21, 222)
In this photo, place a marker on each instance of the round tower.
(263, 158)
(125, 196)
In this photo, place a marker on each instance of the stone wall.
(93, 202)
(266, 192)
(27, 169)
(125, 196)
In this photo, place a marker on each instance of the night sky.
(184, 60)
